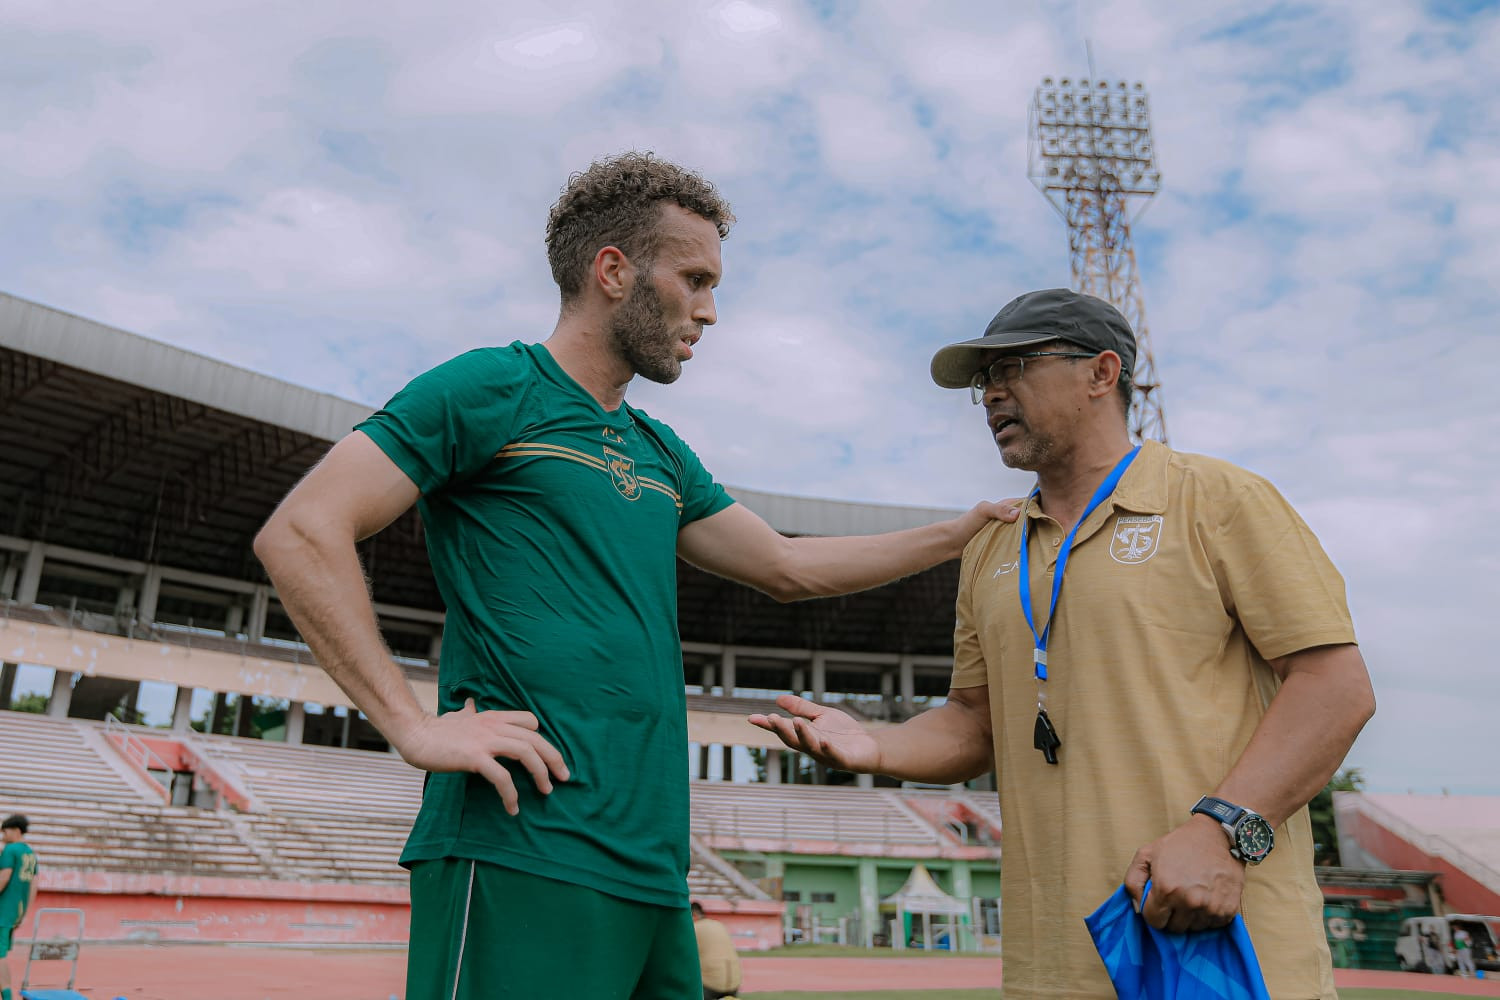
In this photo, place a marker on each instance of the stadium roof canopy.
(116, 444)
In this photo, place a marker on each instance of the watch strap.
(1225, 812)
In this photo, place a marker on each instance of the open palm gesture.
(825, 734)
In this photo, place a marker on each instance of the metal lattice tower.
(1090, 153)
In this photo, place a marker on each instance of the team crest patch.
(1135, 538)
(622, 472)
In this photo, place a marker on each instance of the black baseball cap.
(1035, 318)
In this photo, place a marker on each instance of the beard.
(1029, 453)
(642, 335)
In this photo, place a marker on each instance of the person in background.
(18, 867)
(1463, 951)
(717, 958)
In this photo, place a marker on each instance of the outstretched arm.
(1324, 701)
(308, 549)
(736, 543)
(944, 745)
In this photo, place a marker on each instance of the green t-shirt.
(552, 530)
(20, 860)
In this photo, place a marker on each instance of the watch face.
(1254, 838)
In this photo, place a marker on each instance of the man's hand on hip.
(470, 740)
(1195, 882)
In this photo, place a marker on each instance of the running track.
(212, 972)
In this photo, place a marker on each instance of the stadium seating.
(75, 834)
(323, 814)
(726, 813)
(317, 781)
(53, 758)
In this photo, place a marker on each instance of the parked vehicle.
(1426, 943)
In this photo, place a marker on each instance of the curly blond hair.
(617, 202)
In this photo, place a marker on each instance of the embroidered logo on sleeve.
(622, 472)
(1135, 539)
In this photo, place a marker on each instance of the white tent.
(923, 898)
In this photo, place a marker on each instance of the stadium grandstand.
(191, 774)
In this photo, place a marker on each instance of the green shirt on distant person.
(20, 860)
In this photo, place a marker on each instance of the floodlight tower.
(1090, 153)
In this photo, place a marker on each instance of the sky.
(344, 194)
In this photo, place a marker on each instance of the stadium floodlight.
(1090, 153)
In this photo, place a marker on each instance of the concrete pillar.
(963, 885)
(963, 888)
(244, 715)
(435, 648)
(819, 676)
(217, 711)
(260, 602)
(125, 604)
(296, 721)
(727, 667)
(774, 764)
(145, 608)
(234, 620)
(182, 710)
(8, 580)
(708, 678)
(62, 694)
(799, 681)
(775, 870)
(344, 735)
(869, 900)
(864, 781)
(908, 682)
(31, 575)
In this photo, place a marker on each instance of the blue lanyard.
(1100, 495)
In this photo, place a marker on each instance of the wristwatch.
(1250, 835)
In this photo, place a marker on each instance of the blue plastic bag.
(1147, 964)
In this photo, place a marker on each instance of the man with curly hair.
(555, 512)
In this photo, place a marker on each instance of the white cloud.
(487, 65)
(747, 18)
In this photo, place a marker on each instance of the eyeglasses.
(1008, 370)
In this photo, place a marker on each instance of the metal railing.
(137, 750)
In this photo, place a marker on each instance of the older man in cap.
(1157, 659)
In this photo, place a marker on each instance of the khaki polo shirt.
(1178, 590)
(717, 958)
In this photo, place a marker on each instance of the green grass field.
(881, 995)
(850, 951)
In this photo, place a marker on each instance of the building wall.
(167, 908)
(171, 908)
(839, 876)
(1463, 892)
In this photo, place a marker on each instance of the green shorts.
(483, 932)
